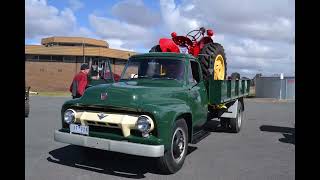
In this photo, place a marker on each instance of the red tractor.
(211, 55)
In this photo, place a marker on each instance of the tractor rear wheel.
(155, 48)
(213, 60)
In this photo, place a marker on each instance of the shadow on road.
(287, 132)
(107, 162)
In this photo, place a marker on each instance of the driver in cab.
(172, 70)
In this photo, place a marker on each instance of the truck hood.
(134, 95)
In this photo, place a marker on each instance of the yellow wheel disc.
(219, 68)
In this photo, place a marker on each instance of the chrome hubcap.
(178, 144)
(239, 118)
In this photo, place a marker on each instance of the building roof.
(77, 51)
(74, 40)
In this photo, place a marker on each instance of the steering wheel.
(197, 33)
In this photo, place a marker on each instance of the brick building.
(52, 65)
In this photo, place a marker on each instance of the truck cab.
(160, 104)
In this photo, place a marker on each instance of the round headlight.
(69, 116)
(143, 124)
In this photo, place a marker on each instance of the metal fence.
(274, 87)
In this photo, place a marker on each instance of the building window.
(70, 59)
(79, 58)
(57, 58)
(44, 58)
(88, 58)
(30, 57)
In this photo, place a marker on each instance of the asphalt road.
(264, 149)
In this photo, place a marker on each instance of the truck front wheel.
(174, 157)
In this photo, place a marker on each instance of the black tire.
(225, 123)
(168, 163)
(235, 123)
(155, 48)
(209, 53)
(27, 109)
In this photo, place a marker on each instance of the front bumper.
(110, 145)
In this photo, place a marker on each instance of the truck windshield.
(153, 68)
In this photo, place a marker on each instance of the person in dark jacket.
(80, 82)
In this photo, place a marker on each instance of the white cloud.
(188, 7)
(253, 48)
(281, 29)
(135, 12)
(108, 28)
(271, 20)
(75, 4)
(45, 20)
(258, 56)
(117, 44)
(173, 20)
(131, 36)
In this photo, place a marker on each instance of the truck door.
(198, 99)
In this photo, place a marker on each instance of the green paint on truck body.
(165, 100)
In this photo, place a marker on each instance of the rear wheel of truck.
(213, 59)
(174, 157)
(235, 123)
(225, 123)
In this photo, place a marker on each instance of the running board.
(198, 136)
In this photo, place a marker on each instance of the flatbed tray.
(222, 91)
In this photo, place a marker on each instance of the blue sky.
(258, 36)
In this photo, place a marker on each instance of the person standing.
(80, 82)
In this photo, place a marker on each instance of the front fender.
(165, 117)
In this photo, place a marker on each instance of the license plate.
(79, 129)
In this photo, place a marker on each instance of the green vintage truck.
(160, 104)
